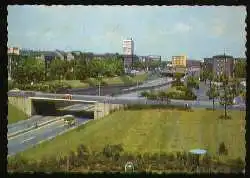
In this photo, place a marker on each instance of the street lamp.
(129, 167)
(197, 153)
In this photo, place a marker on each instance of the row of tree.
(27, 70)
(239, 71)
(225, 92)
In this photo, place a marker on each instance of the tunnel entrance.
(52, 108)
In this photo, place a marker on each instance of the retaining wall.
(104, 109)
(22, 103)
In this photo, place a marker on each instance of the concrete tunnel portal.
(55, 108)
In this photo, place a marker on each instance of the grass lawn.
(107, 80)
(14, 114)
(160, 131)
(173, 89)
(140, 77)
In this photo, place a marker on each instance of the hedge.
(113, 157)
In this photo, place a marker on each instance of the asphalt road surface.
(21, 125)
(79, 107)
(23, 141)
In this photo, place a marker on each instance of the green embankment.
(158, 130)
(15, 115)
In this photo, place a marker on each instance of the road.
(12, 128)
(79, 107)
(23, 141)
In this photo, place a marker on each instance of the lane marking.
(33, 130)
(10, 134)
(28, 139)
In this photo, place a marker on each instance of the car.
(67, 96)
(69, 120)
(15, 90)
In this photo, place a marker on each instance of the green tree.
(213, 93)
(29, 70)
(235, 87)
(57, 69)
(240, 69)
(210, 77)
(192, 82)
(226, 98)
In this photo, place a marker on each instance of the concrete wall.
(104, 109)
(22, 103)
(101, 109)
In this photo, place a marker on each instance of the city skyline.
(197, 32)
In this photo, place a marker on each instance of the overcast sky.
(197, 32)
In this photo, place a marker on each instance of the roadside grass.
(162, 130)
(140, 77)
(173, 89)
(15, 115)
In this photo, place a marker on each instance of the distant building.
(128, 47)
(154, 58)
(179, 61)
(69, 56)
(128, 52)
(13, 53)
(220, 64)
(191, 63)
(14, 50)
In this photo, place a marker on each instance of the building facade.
(13, 53)
(128, 47)
(220, 64)
(179, 61)
(191, 63)
(128, 52)
(154, 58)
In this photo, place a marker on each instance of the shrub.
(145, 94)
(225, 117)
(113, 151)
(222, 149)
(177, 83)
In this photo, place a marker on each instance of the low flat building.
(193, 63)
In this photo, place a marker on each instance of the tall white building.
(128, 47)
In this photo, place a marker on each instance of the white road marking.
(28, 139)
(35, 129)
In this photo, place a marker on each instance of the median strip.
(32, 127)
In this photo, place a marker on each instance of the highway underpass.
(60, 107)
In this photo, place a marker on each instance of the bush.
(113, 151)
(156, 106)
(145, 94)
(222, 149)
(177, 83)
(181, 88)
(225, 117)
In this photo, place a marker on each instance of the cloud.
(178, 28)
(218, 27)
(182, 28)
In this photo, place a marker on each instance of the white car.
(15, 90)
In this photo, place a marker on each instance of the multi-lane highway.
(23, 141)
(28, 139)
(30, 123)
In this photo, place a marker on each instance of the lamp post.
(197, 153)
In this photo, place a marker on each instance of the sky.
(197, 32)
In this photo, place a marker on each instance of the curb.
(32, 127)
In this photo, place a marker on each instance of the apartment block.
(179, 61)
